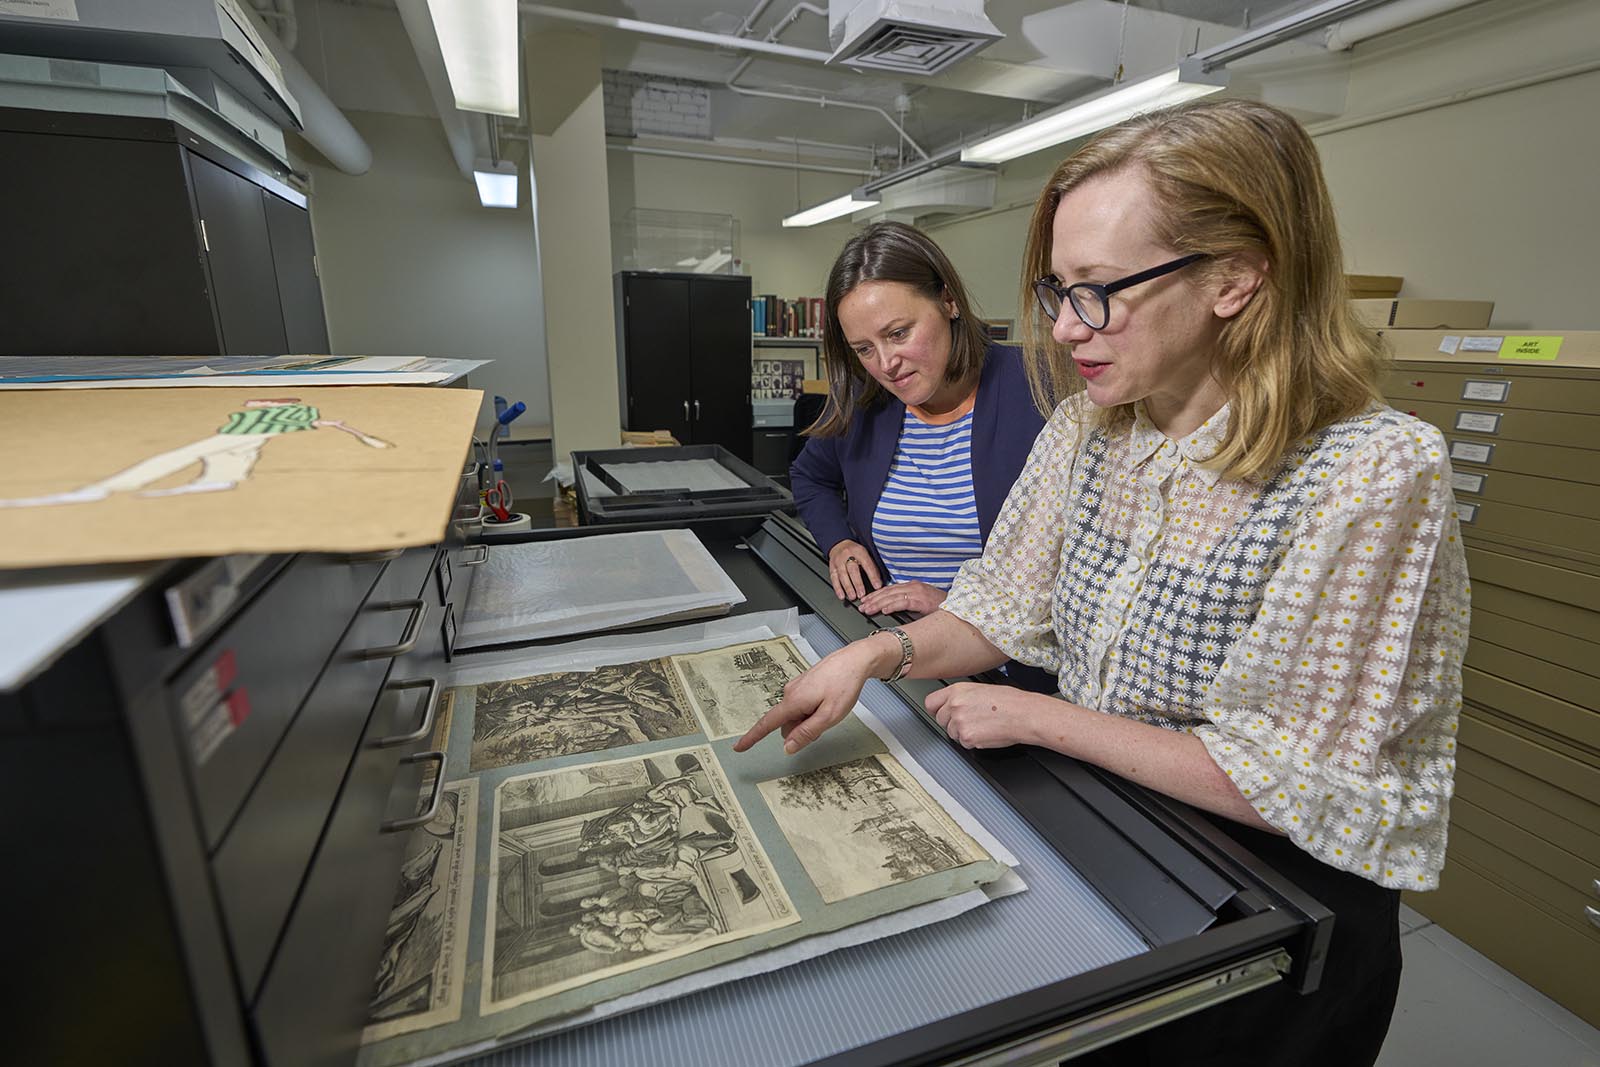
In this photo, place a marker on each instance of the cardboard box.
(1521, 348)
(1374, 286)
(1425, 314)
(649, 439)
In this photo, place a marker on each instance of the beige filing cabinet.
(1521, 414)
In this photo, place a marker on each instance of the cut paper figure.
(226, 457)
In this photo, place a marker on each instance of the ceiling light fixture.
(1184, 82)
(479, 42)
(497, 183)
(850, 202)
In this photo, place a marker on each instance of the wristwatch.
(906, 653)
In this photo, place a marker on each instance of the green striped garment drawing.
(286, 419)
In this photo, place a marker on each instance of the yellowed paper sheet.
(123, 474)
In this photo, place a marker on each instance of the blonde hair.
(1231, 178)
(891, 252)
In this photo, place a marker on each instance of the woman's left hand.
(985, 716)
(918, 598)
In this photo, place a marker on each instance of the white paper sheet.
(540, 589)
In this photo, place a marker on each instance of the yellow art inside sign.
(1531, 348)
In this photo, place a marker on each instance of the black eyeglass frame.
(1103, 293)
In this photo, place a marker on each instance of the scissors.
(498, 498)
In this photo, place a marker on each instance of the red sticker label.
(225, 670)
(238, 703)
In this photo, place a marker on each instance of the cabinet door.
(719, 340)
(657, 340)
(102, 253)
(239, 254)
(294, 263)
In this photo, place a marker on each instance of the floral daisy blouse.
(1308, 629)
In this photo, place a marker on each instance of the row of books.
(773, 316)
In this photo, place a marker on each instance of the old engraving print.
(422, 969)
(609, 867)
(528, 719)
(866, 824)
(732, 687)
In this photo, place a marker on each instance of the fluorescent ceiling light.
(1184, 82)
(479, 42)
(850, 202)
(497, 184)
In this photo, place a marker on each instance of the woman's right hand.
(822, 696)
(850, 567)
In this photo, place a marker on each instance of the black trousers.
(1342, 1024)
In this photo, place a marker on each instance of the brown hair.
(1230, 178)
(890, 252)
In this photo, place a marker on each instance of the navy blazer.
(1004, 424)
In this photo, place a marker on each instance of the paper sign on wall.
(41, 9)
(1531, 348)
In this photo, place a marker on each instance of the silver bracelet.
(907, 651)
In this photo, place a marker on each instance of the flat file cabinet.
(1522, 876)
(214, 804)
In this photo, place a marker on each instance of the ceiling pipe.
(819, 100)
(656, 29)
(323, 125)
(1348, 33)
(425, 43)
(712, 157)
(1263, 37)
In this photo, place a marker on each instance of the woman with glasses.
(1245, 569)
(927, 425)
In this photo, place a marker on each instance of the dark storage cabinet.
(683, 356)
(129, 236)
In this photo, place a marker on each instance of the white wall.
(1484, 199)
(790, 263)
(413, 264)
(1480, 199)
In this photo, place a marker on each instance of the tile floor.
(1459, 1008)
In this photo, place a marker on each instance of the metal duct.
(907, 36)
(326, 128)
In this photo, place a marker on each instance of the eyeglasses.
(1092, 302)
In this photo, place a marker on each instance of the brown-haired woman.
(1245, 569)
(928, 423)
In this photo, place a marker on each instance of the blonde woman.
(1245, 569)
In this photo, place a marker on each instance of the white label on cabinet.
(1481, 344)
(1478, 421)
(1471, 451)
(1449, 343)
(41, 9)
(1493, 392)
(1462, 482)
(1467, 513)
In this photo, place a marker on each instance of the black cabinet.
(683, 356)
(133, 236)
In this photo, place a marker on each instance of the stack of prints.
(627, 845)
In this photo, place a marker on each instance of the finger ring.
(849, 559)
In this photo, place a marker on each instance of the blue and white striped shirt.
(926, 523)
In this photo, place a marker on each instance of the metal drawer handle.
(394, 826)
(430, 704)
(1593, 913)
(413, 630)
(482, 558)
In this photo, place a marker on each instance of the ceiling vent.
(907, 36)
